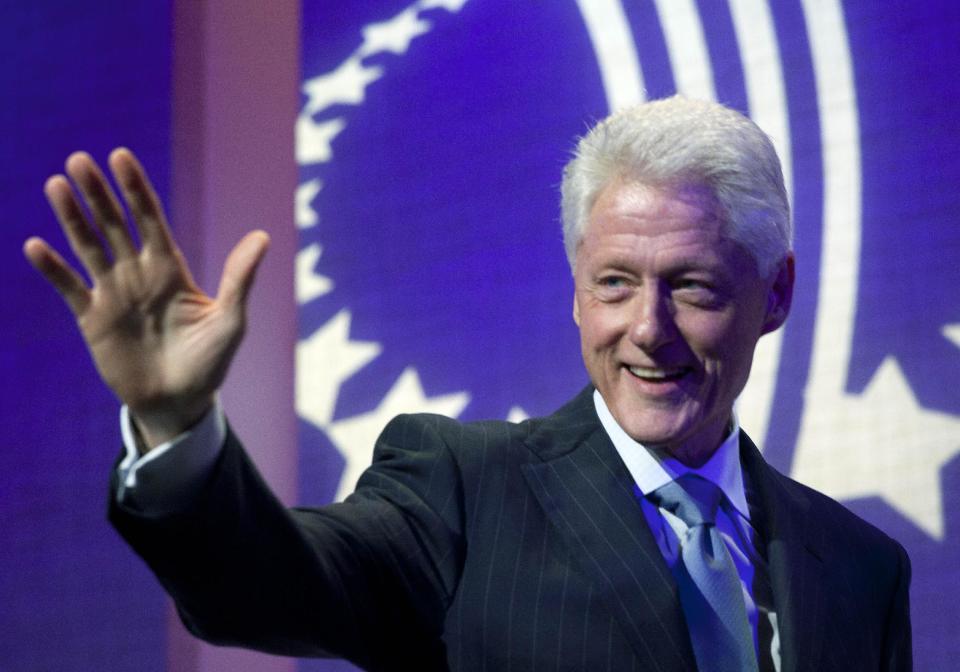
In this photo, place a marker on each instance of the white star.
(313, 139)
(952, 331)
(517, 414)
(309, 284)
(449, 5)
(324, 361)
(346, 85)
(354, 437)
(304, 214)
(881, 443)
(393, 35)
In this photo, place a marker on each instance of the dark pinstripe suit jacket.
(493, 546)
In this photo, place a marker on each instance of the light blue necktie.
(710, 590)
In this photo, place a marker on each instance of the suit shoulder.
(839, 522)
(530, 439)
(438, 433)
(455, 430)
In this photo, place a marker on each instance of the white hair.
(676, 142)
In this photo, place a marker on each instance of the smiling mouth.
(659, 374)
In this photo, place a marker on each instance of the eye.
(696, 291)
(612, 287)
(691, 284)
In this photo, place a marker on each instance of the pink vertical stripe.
(235, 84)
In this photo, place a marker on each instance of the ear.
(576, 309)
(780, 295)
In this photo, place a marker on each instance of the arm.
(369, 579)
(161, 344)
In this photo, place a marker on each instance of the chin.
(654, 429)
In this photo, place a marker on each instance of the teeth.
(655, 374)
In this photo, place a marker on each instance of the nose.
(653, 323)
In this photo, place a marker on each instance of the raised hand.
(159, 342)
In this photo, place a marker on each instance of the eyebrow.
(683, 264)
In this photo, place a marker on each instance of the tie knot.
(693, 499)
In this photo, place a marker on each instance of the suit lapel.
(795, 557)
(588, 496)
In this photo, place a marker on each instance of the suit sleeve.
(363, 579)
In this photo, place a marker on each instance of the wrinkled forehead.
(685, 215)
(625, 196)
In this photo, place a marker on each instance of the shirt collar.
(651, 469)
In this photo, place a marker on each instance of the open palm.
(159, 342)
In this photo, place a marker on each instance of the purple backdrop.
(431, 274)
(206, 94)
(74, 75)
(447, 144)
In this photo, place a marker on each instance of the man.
(577, 541)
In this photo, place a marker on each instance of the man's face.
(669, 312)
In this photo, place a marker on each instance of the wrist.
(157, 426)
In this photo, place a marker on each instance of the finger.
(83, 241)
(58, 273)
(141, 198)
(241, 267)
(104, 208)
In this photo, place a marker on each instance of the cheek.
(734, 357)
(600, 329)
(718, 339)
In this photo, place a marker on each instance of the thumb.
(240, 268)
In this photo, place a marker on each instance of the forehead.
(656, 208)
(645, 229)
(630, 215)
